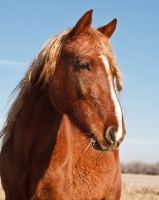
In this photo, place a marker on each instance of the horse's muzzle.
(109, 135)
(109, 141)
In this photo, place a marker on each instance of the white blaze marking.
(118, 112)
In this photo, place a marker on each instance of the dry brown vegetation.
(140, 187)
(135, 187)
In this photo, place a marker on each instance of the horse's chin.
(105, 146)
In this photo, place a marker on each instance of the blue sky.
(26, 25)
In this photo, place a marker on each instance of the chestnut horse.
(62, 133)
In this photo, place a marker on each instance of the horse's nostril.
(110, 135)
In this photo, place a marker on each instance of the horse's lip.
(96, 144)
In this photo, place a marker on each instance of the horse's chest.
(86, 184)
(92, 182)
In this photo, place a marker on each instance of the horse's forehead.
(83, 43)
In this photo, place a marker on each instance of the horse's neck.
(37, 125)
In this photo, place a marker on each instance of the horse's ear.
(108, 29)
(83, 24)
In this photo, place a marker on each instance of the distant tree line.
(140, 168)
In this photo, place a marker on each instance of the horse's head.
(83, 87)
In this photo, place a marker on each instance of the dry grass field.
(140, 187)
(135, 187)
(1, 193)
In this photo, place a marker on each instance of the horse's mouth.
(107, 146)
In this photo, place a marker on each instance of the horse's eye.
(84, 65)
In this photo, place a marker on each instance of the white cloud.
(12, 63)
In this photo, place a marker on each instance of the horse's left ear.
(108, 29)
(83, 24)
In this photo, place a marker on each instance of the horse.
(62, 133)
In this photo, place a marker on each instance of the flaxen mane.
(44, 65)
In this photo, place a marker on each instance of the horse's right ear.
(108, 29)
(83, 24)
